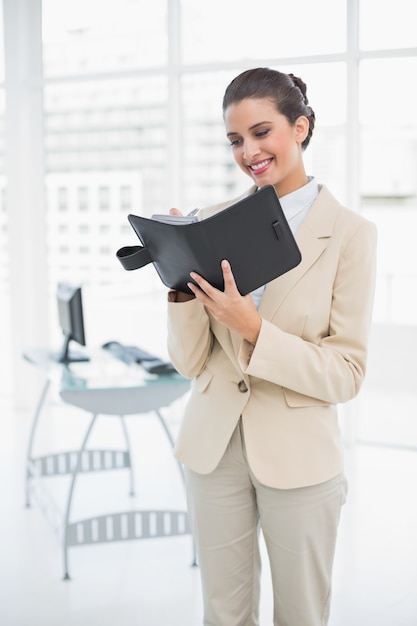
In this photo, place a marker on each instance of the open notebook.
(252, 234)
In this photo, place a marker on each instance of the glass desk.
(102, 386)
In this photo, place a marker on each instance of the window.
(106, 143)
(388, 180)
(223, 32)
(82, 36)
(387, 24)
(144, 140)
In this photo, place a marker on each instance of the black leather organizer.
(252, 234)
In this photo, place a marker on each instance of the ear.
(301, 126)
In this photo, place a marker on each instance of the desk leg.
(129, 452)
(75, 473)
(170, 439)
(35, 421)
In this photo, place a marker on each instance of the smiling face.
(265, 145)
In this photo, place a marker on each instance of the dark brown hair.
(286, 91)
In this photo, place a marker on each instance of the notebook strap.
(133, 257)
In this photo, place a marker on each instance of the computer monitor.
(71, 321)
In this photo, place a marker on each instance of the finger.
(192, 287)
(199, 293)
(203, 284)
(176, 212)
(229, 280)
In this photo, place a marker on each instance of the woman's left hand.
(229, 307)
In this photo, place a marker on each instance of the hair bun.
(301, 86)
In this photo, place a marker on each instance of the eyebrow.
(250, 128)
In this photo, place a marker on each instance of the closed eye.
(262, 133)
(258, 134)
(235, 142)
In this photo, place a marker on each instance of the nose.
(250, 150)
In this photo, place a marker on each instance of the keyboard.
(133, 354)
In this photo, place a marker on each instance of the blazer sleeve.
(330, 367)
(189, 337)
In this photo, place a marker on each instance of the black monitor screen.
(71, 320)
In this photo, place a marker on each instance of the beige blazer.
(310, 356)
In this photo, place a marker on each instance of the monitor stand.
(69, 355)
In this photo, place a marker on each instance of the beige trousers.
(227, 507)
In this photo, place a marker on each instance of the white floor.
(151, 582)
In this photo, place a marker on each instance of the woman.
(260, 439)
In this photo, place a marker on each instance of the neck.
(288, 186)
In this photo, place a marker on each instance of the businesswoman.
(260, 439)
